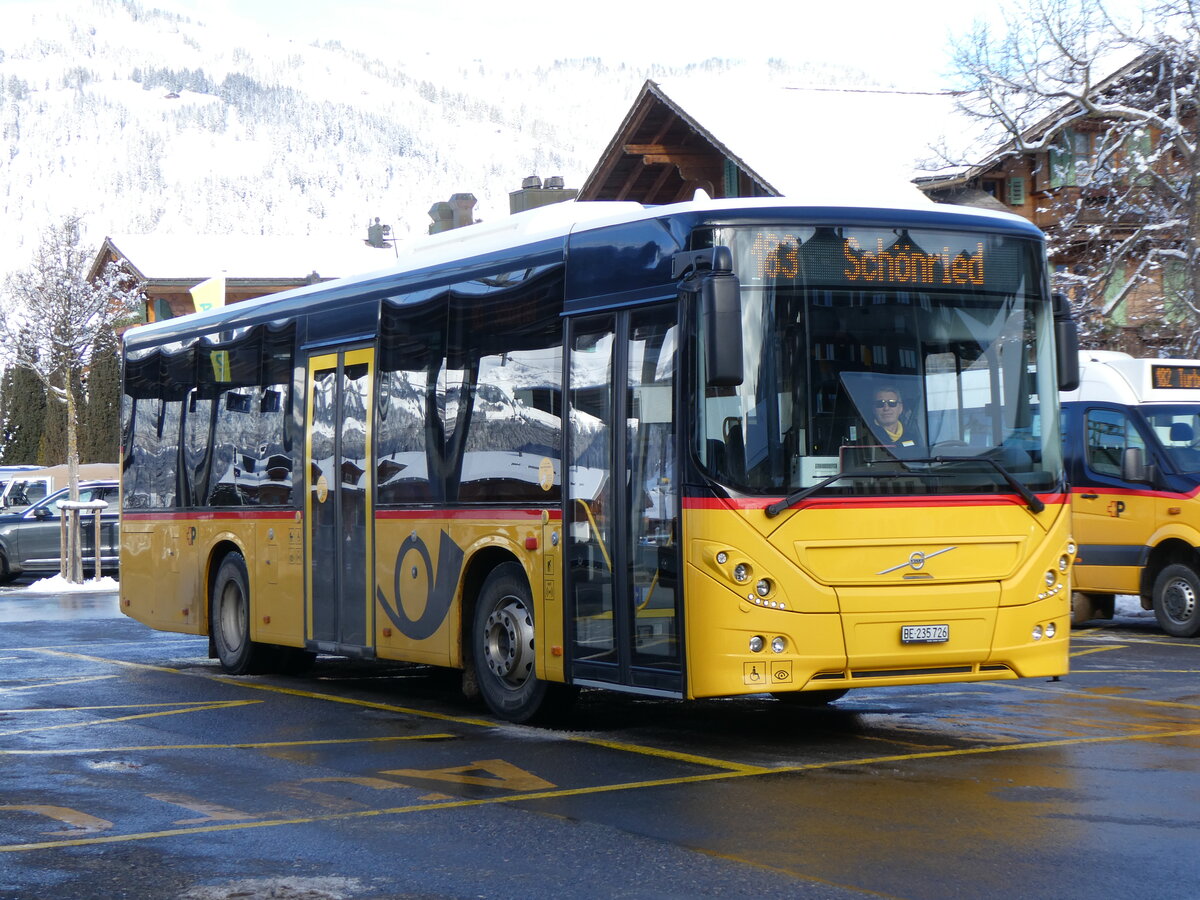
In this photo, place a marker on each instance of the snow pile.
(59, 585)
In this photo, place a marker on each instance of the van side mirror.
(1133, 465)
(1066, 343)
(721, 307)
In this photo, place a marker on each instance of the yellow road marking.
(1094, 634)
(1087, 695)
(500, 774)
(216, 704)
(597, 789)
(209, 812)
(73, 817)
(46, 684)
(1096, 650)
(248, 745)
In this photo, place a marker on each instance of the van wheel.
(1177, 600)
(229, 619)
(503, 649)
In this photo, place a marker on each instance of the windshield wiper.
(774, 509)
(1032, 500)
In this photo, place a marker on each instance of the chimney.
(534, 193)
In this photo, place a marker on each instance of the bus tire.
(5, 575)
(229, 619)
(810, 698)
(503, 650)
(1177, 600)
(1083, 608)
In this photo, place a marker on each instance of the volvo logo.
(916, 560)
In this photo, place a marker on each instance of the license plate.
(924, 634)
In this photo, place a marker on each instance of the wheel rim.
(1179, 600)
(508, 642)
(233, 628)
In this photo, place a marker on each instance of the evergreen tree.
(100, 435)
(51, 316)
(23, 414)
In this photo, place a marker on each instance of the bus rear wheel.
(502, 642)
(1177, 600)
(229, 619)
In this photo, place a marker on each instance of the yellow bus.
(626, 447)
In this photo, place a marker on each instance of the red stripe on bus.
(955, 500)
(479, 515)
(207, 516)
(1135, 492)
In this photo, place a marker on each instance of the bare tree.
(1110, 109)
(50, 318)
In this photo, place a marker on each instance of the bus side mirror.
(1066, 343)
(721, 307)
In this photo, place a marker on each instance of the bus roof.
(1114, 377)
(541, 235)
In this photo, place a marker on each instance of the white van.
(28, 487)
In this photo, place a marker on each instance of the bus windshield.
(884, 360)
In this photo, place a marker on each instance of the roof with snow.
(807, 144)
(165, 259)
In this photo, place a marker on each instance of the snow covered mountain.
(145, 121)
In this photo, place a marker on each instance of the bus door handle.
(1090, 496)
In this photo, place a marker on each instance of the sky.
(908, 42)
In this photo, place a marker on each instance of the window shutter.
(1016, 191)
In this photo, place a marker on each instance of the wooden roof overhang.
(660, 154)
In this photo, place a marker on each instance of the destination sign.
(830, 256)
(1179, 377)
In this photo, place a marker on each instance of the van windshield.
(1178, 431)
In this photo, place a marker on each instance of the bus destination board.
(1178, 377)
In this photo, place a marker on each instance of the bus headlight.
(741, 573)
(1063, 562)
(1051, 577)
(757, 643)
(763, 587)
(722, 558)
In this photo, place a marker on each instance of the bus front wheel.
(229, 619)
(502, 641)
(1177, 600)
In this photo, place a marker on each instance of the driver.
(889, 428)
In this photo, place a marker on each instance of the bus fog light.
(778, 645)
(722, 558)
(763, 587)
(757, 643)
(1037, 632)
(1051, 630)
(1050, 578)
(741, 573)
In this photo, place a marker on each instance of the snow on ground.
(60, 585)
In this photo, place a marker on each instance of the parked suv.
(30, 541)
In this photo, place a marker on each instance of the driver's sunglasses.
(890, 404)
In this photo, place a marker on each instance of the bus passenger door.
(338, 500)
(621, 569)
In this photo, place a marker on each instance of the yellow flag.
(209, 294)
